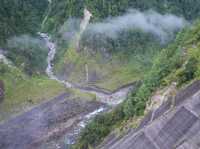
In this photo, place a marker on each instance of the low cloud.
(161, 25)
(25, 42)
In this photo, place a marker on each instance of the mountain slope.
(23, 91)
(20, 17)
(61, 10)
(176, 127)
(112, 61)
(178, 63)
(90, 57)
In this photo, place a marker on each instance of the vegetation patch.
(22, 91)
(179, 62)
(122, 61)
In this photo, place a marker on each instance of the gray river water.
(111, 99)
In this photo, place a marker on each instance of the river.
(110, 99)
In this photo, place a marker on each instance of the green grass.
(23, 92)
(112, 74)
(77, 94)
(122, 74)
(179, 62)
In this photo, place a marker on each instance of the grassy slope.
(22, 91)
(190, 69)
(60, 11)
(124, 60)
(112, 74)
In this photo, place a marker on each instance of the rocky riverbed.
(48, 125)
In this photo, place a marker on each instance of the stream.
(4, 59)
(110, 99)
(57, 123)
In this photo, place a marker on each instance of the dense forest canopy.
(20, 17)
(62, 9)
(128, 41)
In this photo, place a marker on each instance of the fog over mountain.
(162, 25)
(106, 74)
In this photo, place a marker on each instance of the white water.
(111, 99)
(4, 59)
(89, 116)
(71, 137)
(50, 58)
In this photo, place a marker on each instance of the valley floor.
(52, 120)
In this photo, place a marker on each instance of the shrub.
(100, 127)
(29, 53)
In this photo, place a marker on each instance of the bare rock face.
(2, 90)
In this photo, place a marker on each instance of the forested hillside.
(24, 78)
(129, 53)
(133, 48)
(148, 43)
(179, 62)
(20, 17)
(60, 10)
